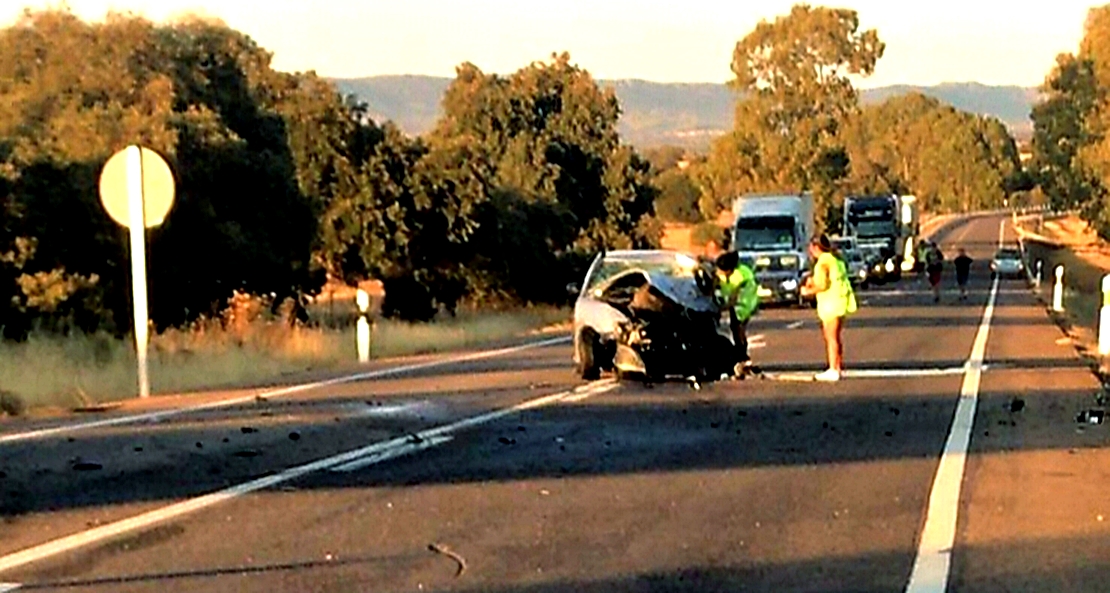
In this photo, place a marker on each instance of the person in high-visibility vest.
(835, 301)
(740, 295)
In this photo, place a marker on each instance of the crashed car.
(650, 315)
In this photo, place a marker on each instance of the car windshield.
(676, 267)
(1007, 254)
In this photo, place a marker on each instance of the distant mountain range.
(680, 114)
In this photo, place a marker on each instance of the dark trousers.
(739, 336)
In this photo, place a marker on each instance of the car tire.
(589, 368)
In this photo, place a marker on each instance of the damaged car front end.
(650, 315)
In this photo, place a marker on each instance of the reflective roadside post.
(1104, 319)
(363, 330)
(1039, 266)
(1058, 291)
(137, 190)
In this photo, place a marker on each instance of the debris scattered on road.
(545, 492)
(248, 430)
(442, 549)
(521, 429)
(200, 445)
(1091, 416)
(559, 439)
(889, 433)
(138, 449)
(1099, 518)
(260, 399)
(415, 438)
(824, 425)
(294, 436)
(506, 441)
(1016, 405)
(543, 385)
(714, 425)
(895, 411)
(3, 475)
(227, 440)
(247, 453)
(742, 413)
(87, 466)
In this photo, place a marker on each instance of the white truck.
(771, 234)
(885, 229)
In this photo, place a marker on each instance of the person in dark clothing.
(963, 270)
(934, 266)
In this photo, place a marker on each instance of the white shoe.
(829, 375)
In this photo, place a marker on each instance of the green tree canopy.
(794, 80)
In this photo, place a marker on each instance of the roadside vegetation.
(474, 229)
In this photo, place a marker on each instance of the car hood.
(664, 293)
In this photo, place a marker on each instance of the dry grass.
(236, 351)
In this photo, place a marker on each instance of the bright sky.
(988, 41)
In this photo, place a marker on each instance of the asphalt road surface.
(948, 459)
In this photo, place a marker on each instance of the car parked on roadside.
(1007, 263)
(650, 314)
(859, 269)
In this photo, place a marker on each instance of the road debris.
(506, 441)
(247, 453)
(1016, 405)
(294, 436)
(86, 466)
(1091, 417)
(248, 430)
(442, 549)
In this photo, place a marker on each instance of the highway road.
(949, 458)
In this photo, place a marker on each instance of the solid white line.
(271, 393)
(933, 563)
(395, 452)
(144, 520)
(796, 325)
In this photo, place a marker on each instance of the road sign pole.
(138, 262)
(1058, 291)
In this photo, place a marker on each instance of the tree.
(794, 79)
(548, 135)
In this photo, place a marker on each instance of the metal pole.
(363, 330)
(1104, 319)
(137, 224)
(1039, 265)
(1058, 291)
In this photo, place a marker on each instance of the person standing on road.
(963, 271)
(740, 293)
(934, 265)
(835, 301)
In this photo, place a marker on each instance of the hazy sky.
(989, 41)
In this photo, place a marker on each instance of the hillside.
(684, 114)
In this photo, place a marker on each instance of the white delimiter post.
(1104, 319)
(1058, 291)
(138, 261)
(363, 329)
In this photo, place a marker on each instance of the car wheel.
(588, 348)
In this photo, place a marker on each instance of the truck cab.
(771, 233)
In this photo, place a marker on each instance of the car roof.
(645, 255)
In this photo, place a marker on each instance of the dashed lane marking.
(380, 449)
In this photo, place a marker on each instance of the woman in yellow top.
(835, 301)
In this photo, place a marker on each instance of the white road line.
(395, 452)
(933, 563)
(8, 587)
(173, 511)
(874, 373)
(796, 325)
(270, 393)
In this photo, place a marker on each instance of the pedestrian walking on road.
(740, 293)
(835, 301)
(963, 271)
(934, 265)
